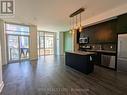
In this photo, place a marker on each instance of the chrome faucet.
(100, 47)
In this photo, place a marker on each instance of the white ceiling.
(53, 15)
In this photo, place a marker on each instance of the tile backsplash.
(111, 47)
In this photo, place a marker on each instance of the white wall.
(55, 43)
(1, 82)
(3, 43)
(59, 43)
(33, 42)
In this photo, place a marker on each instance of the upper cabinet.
(90, 33)
(102, 33)
(106, 32)
(122, 24)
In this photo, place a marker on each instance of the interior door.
(13, 48)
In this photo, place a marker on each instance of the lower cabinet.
(82, 63)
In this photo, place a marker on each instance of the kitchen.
(103, 39)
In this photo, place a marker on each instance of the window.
(45, 43)
(16, 29)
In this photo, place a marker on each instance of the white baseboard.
(1, 86)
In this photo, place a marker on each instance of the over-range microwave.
(84, 40)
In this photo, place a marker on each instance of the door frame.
(7, 35)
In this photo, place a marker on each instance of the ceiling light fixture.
(80, 27)
(74, 25)
(70, 26)
(73, 29)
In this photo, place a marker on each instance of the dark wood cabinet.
(122, 24)
(89, 32)
(78, 36)
(105, 32)
(82, 63)
(98, 59)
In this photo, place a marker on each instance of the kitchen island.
(81, 61)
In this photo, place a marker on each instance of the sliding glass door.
(42, 48)
(18, 47)
(13, 48)
(49, 45)
(17, 42)
(24, 47)
(45, 43)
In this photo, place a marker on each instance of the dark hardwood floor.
(50, 76)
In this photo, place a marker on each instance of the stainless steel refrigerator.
(122, 52)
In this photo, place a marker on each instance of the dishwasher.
(108, 60)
